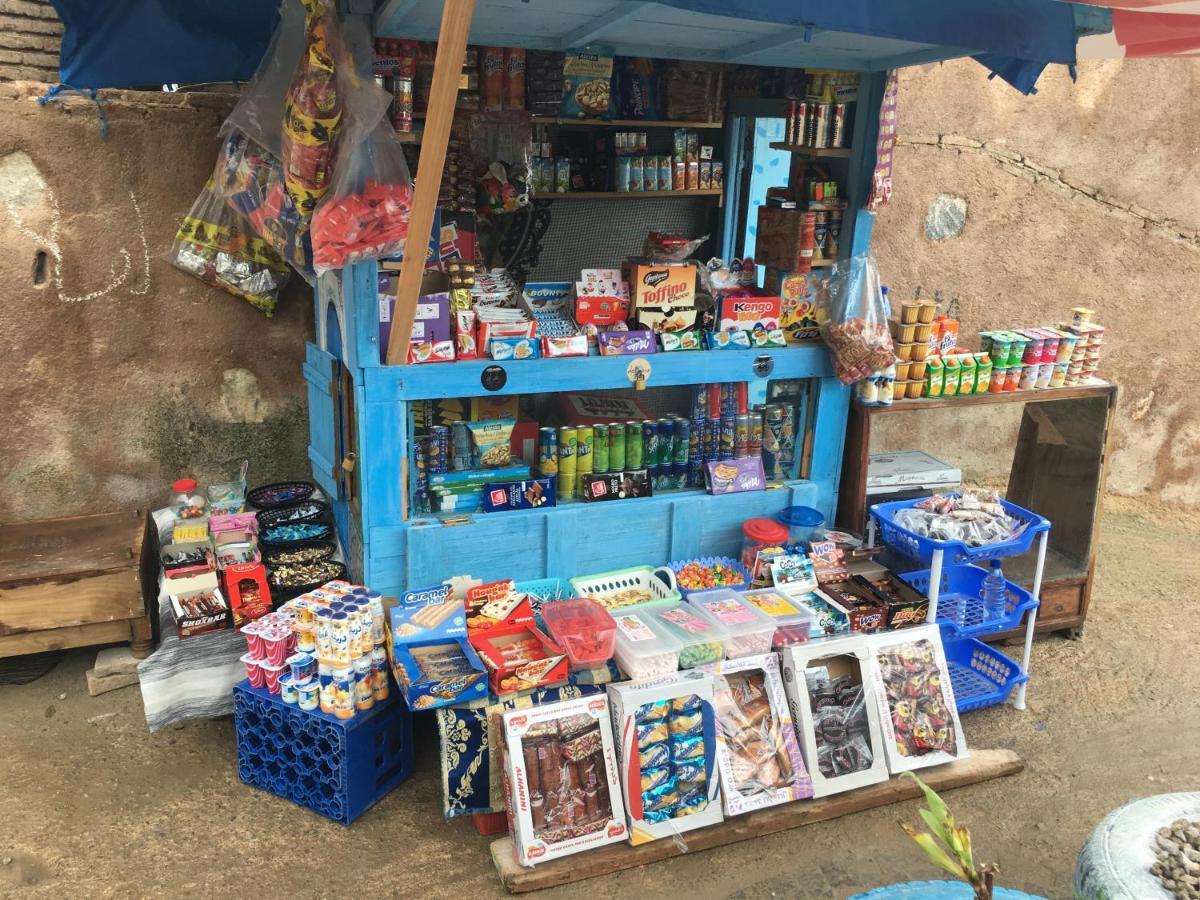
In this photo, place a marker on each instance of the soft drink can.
(728, 399)
(699, 402)
(547, 451)
(679, 474)
(695, 472)
(728, 435)
(439, 449)
(635, 455)
(585, 445)
(600, 450)
(756, 432)
(741, 437)
(650, 446)
(402, 104)
(568, 447)
(666, 443)
(461, 437)
(681, 446)
(696, 439)
(712, 439)
(616, 447)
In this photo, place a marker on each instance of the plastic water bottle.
(995, 592)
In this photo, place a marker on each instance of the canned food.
(585, 445)
(650, 446)
(681, 442)
(666, 444)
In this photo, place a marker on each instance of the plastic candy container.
(750, 631)
(702, 637)
(643, 647)
(583, 629)
(186, 500)
(793, 622)
(801, 522)
(759, 535)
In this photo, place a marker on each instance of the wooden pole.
(447, 68)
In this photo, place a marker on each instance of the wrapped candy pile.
(975, 518)
(363, 225)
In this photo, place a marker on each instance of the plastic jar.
(801, 522)
(759, 534)
(187, 502)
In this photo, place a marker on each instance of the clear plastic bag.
(258, 114)
(758, 758)
(217, 245)
(857, 329)
(669, 246)
(498, 155)
(365, 215)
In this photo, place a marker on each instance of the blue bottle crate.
(336, 767)
(981, 676)
(961, 611)
(921, 548)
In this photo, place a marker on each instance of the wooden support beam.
(622, 12)
(750, 49)
(391, 14)
(447, 67)
(981, 765)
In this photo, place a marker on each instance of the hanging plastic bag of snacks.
(365, 215)
(217, 245)
(857, 328)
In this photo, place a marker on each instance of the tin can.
(547, 451)
(696, 439)
(837, 126)
(635, 451)
(650, 446)
(774, 423)
(712, 439)
(623, 172)
(728, 437)
(729, 405)
(741, 437)
(678, 477)
(568, 461)
(600, 454)
(565, 484)
(461, 441)
(585, 445)
(666, 443)
(439, 449)
(616, 447)
(682, 443)
(699, 408)
(756, 432)
(695, 472)
(402, 104)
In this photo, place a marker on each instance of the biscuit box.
(599, 409)
(666, 734)
(519, 656)
(749, 313)
(496, 603)
(767, 769)
(559, 769)
(664, 296)
(432, 661)
(832, 701)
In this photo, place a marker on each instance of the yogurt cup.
(254, 671)
(254, 642)
(288, 691)
(272, 674)
(999, 379)
(303, 666)
(1028, 378)
(308, 696)
(1045, 373)
(926, 310)
(275, 644)
(1013, 381)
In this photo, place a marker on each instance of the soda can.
(616, 447)
(568, 450)
(547, 451)
(699, 402)
(756, 432)
(650, 446)
(741, 437)
(682, 443)
(566, 484)
(635, 455)
(728, 434)
(439, 449)
(712, 439)
(666, 443)
(600, 454)
(461, 438)
(837, 127)
(402, 104)
(584, 449)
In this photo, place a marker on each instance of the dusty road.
(94, 805)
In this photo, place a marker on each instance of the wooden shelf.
(408, 137)
(1095, 388)
(628, 195)
(623, 123)
(813, 152)
(823, 263)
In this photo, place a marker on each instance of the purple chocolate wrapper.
(732, 476)
(627, 343)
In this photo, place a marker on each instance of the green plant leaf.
(966, 853)
(938, 817)
(936, 804)
(935, 853)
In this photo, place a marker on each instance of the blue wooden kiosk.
(361, 408)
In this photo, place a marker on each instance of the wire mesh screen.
(596, 234)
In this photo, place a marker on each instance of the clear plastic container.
(187, 501)
(757, 535)
(584, 630)
(750, 631)
(801, 522)
(793, 622)
(643, 648)
(702, 637)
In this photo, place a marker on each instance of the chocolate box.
(664, 296)
(496, 603)
(865, 613)
(633, 704)
(627, 343)
(560, 775)
(247, 591)
(197, 605)
(432, 321)
(904, 605)
(504, 496)
(617, 485)
(733, 476)
(749, 313)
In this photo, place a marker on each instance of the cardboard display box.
(197, 605)
(432, 660)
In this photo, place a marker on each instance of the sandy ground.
(95, 805)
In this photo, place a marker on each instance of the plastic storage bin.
(801, 522)
(981, 676)
(583, 628)
(750, 631)
(643, 648)
(702, 637)
(618, 589)
(545, 590)
(793, 622)
(921, 548)
(337, 768)
(711, 561)
(960, 601)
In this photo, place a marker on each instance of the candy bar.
(685, 725)
(651, 733)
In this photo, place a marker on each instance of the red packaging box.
(506, 676)
(247, 591)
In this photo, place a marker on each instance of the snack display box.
(750, 630)
(644, 649)
(793, 621)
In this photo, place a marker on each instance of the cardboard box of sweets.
(197, 605)
(517, 654)
(664, 295)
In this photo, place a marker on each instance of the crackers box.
(664, 296)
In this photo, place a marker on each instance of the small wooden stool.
(76, 582)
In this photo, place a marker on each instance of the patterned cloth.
(471, 781)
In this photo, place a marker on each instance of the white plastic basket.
(607, 587)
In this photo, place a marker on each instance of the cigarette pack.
(432, 660)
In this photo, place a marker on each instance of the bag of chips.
(586, 90)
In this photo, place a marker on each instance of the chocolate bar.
(617, 485)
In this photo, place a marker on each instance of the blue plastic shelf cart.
(950, 571)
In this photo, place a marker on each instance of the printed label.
(729, 612)
(685, 621)
(634, 628)
(772, 604)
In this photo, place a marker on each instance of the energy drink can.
(600, 450)
(547, 451)
(461, 438)
(439, 449)
(741, 437)
(402, 104)
(774, 423)
(728, 434)
(635, 455)
(681, 445)
(712, 439)
(666, 444)
(585, 447)
(756, 432)
(650, 446)
(837, 126)
(616, 447)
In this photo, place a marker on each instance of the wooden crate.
(76, 582)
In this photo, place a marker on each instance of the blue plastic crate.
(336, 767)
(921, 548)
(708, 561)
(545, 590)
(960, 601)
(981, 676)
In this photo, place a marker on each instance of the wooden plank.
(115, 596)
(856, 455)
(1098, 389)
(623, 123)
(64, 638)
(813, 152)
(629, 195)
(78, 547)
(981, 765)
(447, 67)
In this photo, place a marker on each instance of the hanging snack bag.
(216, 245)
(857, 331)
(365, 215)
(586, 75)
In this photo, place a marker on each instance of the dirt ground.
(95, 805)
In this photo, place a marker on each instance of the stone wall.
(30, 33)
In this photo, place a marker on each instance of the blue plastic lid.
(801, 516)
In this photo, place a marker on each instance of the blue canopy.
(142, 42)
